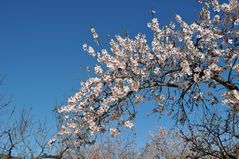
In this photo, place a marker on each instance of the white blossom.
(114, 131)
(128, 124)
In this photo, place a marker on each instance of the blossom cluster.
(182, 57)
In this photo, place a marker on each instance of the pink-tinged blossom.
(186, 68)
(225, 7)
(232, 98)
(236, 94)
(236, 68)
(98, 70)
(236, 22)
(215, 5)
(216, 19)
(114, 131)
(138, 98)
(128, 124)
(52, 141)
(103, 109)
(71, 125)
(94, 34)
(195, 27)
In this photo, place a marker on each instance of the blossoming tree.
(186, 68)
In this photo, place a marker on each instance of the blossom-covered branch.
(186, 65)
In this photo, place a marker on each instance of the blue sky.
(41, 46)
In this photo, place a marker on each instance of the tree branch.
(225, 83)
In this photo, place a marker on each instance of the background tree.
(112, 148)
(165, 144)
(21, 136)
(215, 137)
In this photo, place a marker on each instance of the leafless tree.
(217, 137)
(120, 148)
(20, 135)
(165, 144)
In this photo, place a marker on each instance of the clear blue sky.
(41, 45)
